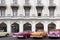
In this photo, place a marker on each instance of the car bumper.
(2, 35)
(36, 36)
(53, 36)
(14, 36)
(17, 36)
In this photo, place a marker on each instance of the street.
(12, 38)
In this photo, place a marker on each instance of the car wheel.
(28, 36)
(7, 35)
(18, 37)
(25, 37)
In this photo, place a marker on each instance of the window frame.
(15, 12)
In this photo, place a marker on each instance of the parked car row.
(28, 34)
(39, 33)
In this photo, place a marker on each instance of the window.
(2, 12)
(27, 12)
(3, 27)
(2, 1)
(14, 27)
(27, 27)
(39, 11)
(39, 14)
(39, 1)
(14, 1)
(26, 1)
(14, 12)
(39, 26)
(51, 26)
(51, 12)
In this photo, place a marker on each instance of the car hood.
(4, 33)
(53, 32)
(37, 32)
(21, 33)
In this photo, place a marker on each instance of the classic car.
(3, 33)
(54, 33)
(22, 34)
(58, 30)
(38, 34)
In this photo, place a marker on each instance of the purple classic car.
(54, 33)
(22, 34)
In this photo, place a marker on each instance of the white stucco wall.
(33, 7)
(33, 11)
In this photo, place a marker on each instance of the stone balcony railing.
(3, 6)
(31, 17)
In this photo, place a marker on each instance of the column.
(46, 26)
(21, 26)
(57, 25)
(9, 27)
(33, 26)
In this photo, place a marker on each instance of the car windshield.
(52, 31)
(39, 30)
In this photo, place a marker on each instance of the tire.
(28, 36)
(18, 37)
(6, 35)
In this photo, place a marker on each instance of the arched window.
(51, 26)
(27, 27)
(39, 26)
(3, 27)
(15, 27)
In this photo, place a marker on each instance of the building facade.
(29, 15)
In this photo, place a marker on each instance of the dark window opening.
(27, 27)
(39, 14)
(39, 26)
(15, 27)
(51, 26)
(3, 27)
